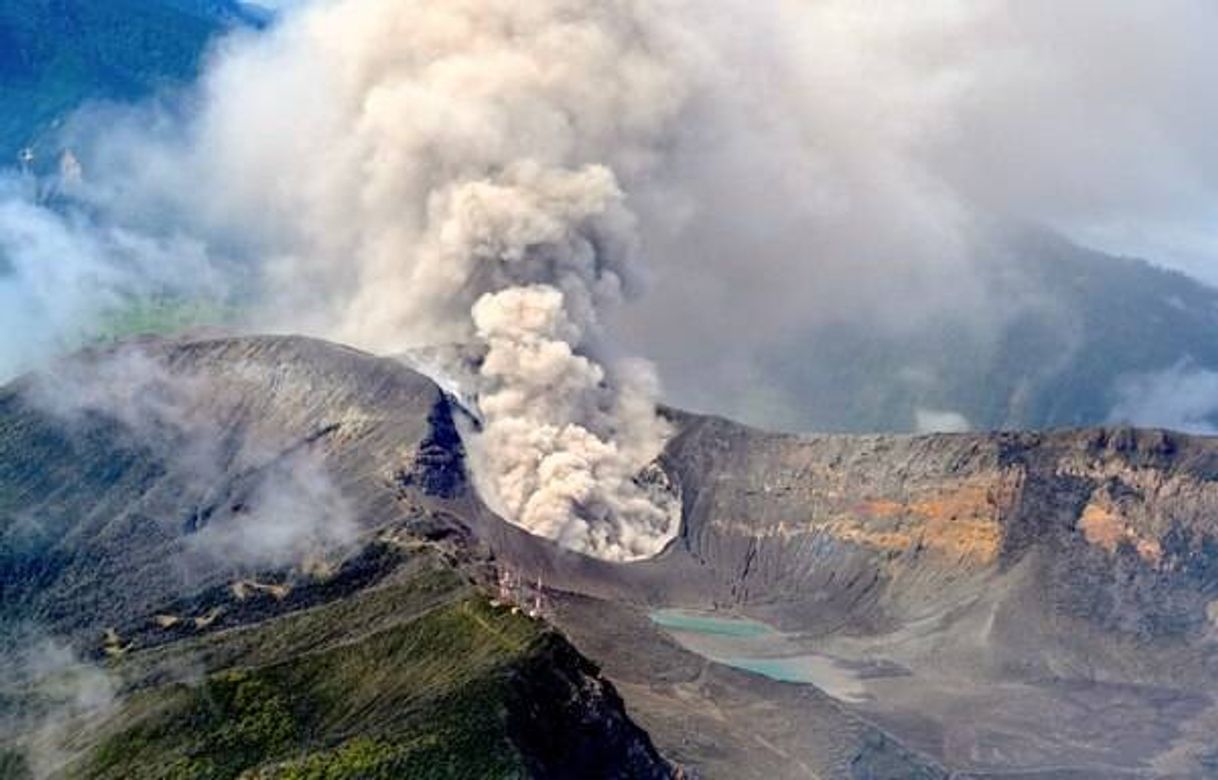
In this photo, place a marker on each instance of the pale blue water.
(680, 620)
(739, 642)
(825, 673)
(794, 670)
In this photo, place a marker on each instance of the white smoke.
(940, 421)
(62, 273)
(284, 509)
(293, 514)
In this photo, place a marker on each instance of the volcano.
(965, 605)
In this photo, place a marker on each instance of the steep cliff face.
(988, 604)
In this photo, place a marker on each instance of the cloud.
(264, 500)
(857, 168)
(1181, 398)
(289, 513)
(940, 421)
(58, 694)
(62, 272)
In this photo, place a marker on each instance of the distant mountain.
(57, 54)
(1076, 331)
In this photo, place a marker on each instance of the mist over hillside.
(268, 555)
(1086, 338)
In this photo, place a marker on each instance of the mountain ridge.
(1038, 582)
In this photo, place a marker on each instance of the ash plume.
(467, 190)
(510, 175)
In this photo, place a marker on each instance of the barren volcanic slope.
(984, 605)
(1006, 605)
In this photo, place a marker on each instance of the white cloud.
(1181, 398)
(940, 421)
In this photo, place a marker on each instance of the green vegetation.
(360, 757)
(13, 765)
(161, 316)
(423, 699)
(57, 54)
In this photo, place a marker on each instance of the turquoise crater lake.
(700, 623)
(753, 646)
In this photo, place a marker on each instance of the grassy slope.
(390, 664)
(410, 679)
(423, 699)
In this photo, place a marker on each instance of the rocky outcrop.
(1008, 602)
(567, 721)
(986, 585)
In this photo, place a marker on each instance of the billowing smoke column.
(449, 171)
(564, 434)
(798, 169)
